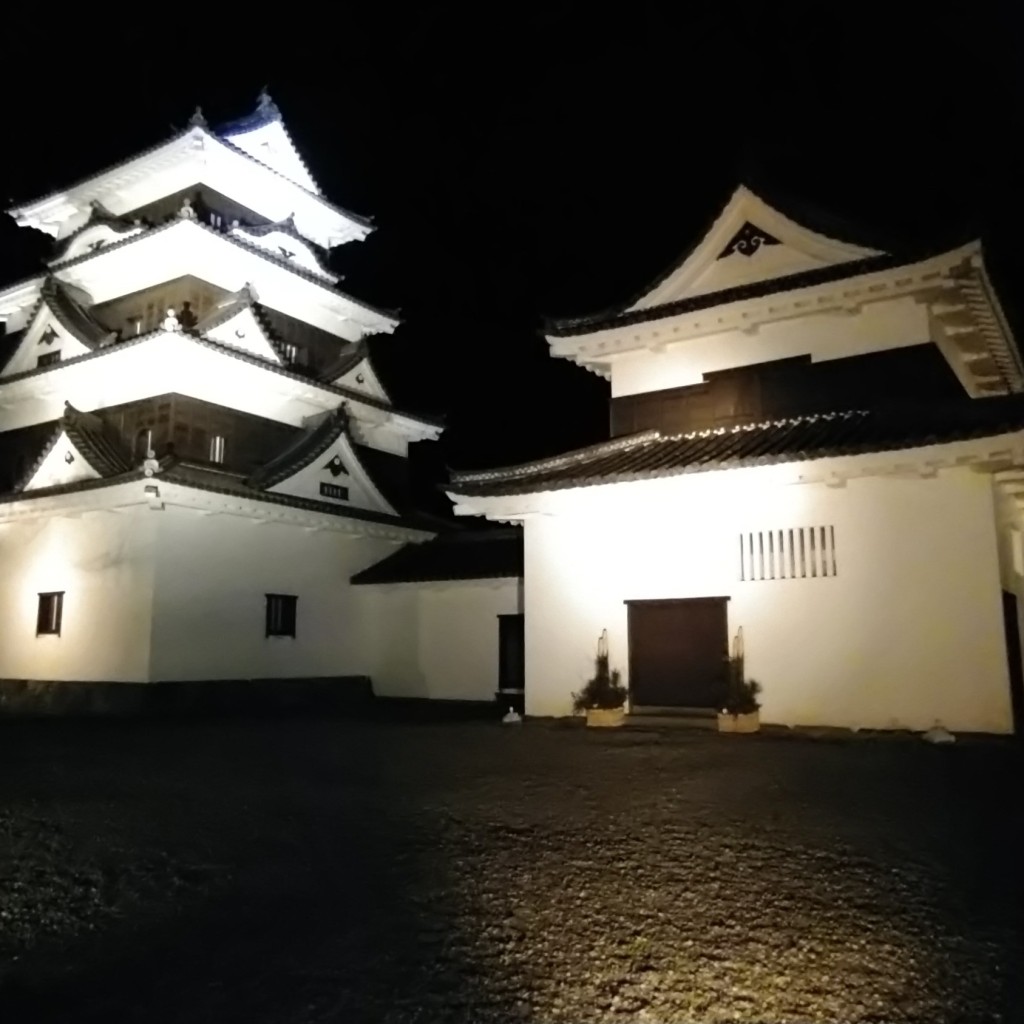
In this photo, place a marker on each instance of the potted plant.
(739, 711)
(603, 699)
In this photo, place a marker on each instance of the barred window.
(803, 552)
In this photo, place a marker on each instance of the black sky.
(521, 164)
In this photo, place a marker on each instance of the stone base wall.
(34, 698)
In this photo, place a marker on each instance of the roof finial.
(266, 106)
(197, 120)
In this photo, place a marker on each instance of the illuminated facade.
(817, 451)
(197, 452)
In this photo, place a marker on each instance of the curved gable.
(749, 242)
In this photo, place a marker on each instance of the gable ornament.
(747, 241)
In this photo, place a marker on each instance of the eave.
(185, 246)
(167, 489)
(154, 363)
(206, 159)
(950, 281)
(830, 447)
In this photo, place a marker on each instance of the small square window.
(281, 614)
(217, 448)
(50, 613)
(48, 358)
(334, 491)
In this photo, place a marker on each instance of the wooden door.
(678, 651)
(511, 652)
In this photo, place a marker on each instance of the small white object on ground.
(512, 717)
(937, 734)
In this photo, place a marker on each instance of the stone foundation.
(34, 698)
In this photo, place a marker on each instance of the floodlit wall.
(213, 573)
(835, 334)
(909, 631)
(103, 561)
(441, 641)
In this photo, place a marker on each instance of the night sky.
(548, 164)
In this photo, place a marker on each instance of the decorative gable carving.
(747, 241)
(335, 466)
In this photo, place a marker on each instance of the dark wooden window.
(50, 613)
(48, 358)
(334, 491)
(281, 614)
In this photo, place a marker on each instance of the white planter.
(750, 722)
(605, 718)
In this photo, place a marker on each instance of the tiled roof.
(621, 316)
(177, 137)
(74, 317)
(239, 233)
(99, 447)
(286, 227)
(796, 439)
(266, 112)
(98, 214)
(234, 353)
(202, 478)
(389, 473)
(464, 555)
(73, 488)
(309, 445)
(252, 247)
(348, 359)
(86, 432)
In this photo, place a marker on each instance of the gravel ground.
(336, 871)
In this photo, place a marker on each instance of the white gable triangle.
(62, 464)
(749, 242)
(363, 379)
(271, 144)
(244, 331)
(44, 335)
(334, 472)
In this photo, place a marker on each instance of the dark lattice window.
(48, 358)
(50, 613)
(281, 614)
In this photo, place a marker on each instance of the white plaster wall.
(909, 632)
(441, 639)
(829, 335)
(212, 575)
(103, 561)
